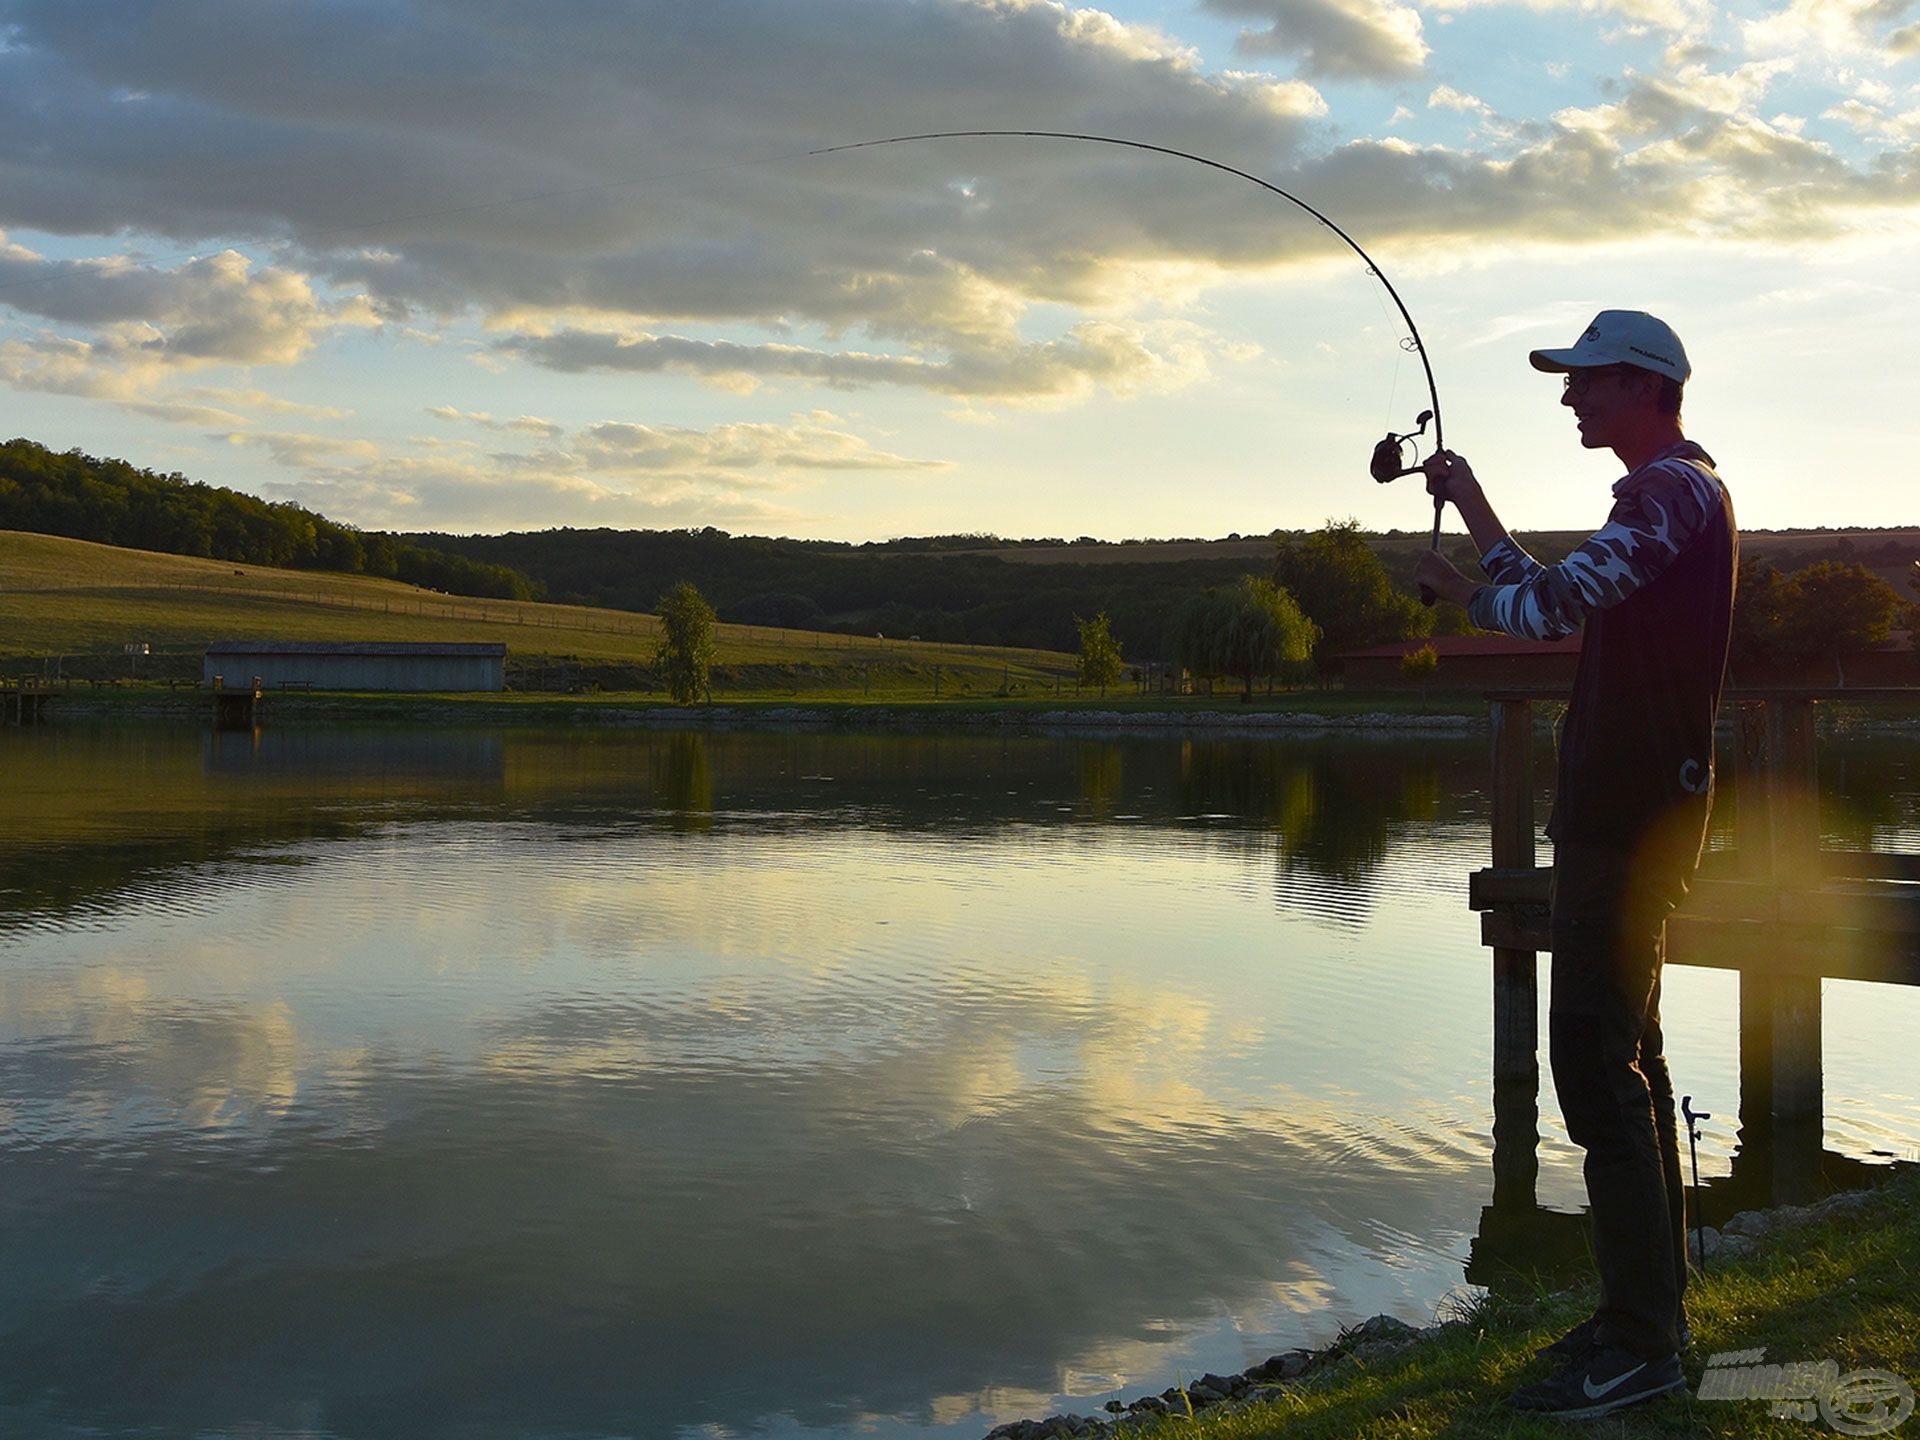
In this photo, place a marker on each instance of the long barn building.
(354, 665)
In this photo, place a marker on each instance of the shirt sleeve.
(1652, 522)
(1508, 563)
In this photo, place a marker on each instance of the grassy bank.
(1845, 1288)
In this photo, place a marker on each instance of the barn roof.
(402, 649)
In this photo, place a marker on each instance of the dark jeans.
(1609, 941)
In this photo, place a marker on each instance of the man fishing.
(1653, 588)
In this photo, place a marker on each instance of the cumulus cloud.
(1445, 97)
(1691, 98)
(610, 473)
(1853, 29)
(610, 116)
(142, 325)
(990, 271)
(1332, 39)
(299, 451)
(1874, 122)
(1091, 354)
(809, 443)
(261, 401)
(518, 425)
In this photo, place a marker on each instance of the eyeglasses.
(1577, 382)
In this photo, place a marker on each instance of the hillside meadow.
(80, 604)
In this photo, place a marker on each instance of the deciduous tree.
(686, 650)
(1099, 652)
(1818, 613)
(1344, 589)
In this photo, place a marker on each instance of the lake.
(445, 1083)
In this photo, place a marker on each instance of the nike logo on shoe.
(1600, 1392)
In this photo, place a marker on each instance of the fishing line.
(1406, 316)
(1388, 455)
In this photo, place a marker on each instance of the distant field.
(72, 598)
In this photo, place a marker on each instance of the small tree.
(1417, 666)
(686, 650)
(1099, 652)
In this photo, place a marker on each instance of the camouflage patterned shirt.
(1652, 592)
(1657, 510)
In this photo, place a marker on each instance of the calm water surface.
(499, 1084)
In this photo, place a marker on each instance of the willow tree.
(1250, 628)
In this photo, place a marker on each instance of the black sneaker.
(1575, 1343)
(1605, 1381)
(1580, 1339)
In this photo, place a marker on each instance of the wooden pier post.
(1516, 984)
(1780, 1014)
(236, 709)
(1780, 911)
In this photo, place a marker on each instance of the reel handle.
(1427, 597)
(1385, 466)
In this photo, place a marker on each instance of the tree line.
(1290, 613)
(109, 501)
(1330, 594)
(936, 590)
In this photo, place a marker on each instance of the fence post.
(1516, 984)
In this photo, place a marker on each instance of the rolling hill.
(76, 605)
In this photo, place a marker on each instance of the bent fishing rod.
(1388, 458)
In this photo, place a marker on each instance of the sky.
(480, 265)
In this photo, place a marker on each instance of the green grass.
(61, 597)
(1848, 1290)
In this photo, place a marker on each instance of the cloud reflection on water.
(736, 1081)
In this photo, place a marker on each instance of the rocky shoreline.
(1376, 1339)
(1382, 1335)
(190, 706)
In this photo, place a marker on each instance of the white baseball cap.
(1621, 337)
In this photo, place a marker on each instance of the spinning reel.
(1386, 465)
(1388, 454)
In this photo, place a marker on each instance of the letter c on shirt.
(1694, 777)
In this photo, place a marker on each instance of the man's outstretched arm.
(1650, 524)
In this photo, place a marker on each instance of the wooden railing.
(1776, 908)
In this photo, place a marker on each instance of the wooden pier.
(239, 708)
(24, 702)
(1776, 908)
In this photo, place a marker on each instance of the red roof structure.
(1476, 662)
